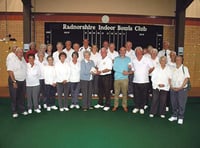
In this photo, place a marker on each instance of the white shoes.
(162, 116)
(106, 108)
(25, 113)
(167, 109)
(146, 106)
(80, 94)
(98, 106)
(131, 95)
(48, 109)
(135, 110)
(95, 95)
(77, 106)
(151, 115)
(172, 119)
(15, 115)
(37, 110)
(180, 121)
(30, 111)
(54, 107)
(66, 109)
(142, 111)
(120, 95)
(61, 109)
(72, 106)
(44, 105)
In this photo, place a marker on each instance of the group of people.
(90, 72)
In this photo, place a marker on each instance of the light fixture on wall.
(105, 19)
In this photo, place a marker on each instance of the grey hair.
(138, 48)
(154, 50)
(18, 49)
(42, 46)
(86, 52)
(173, 52)
(163, 57)
(32, 43)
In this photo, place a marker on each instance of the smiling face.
(50, 60)
(122, 51)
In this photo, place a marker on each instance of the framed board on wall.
(139, 35)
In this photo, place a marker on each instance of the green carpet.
(98, 129)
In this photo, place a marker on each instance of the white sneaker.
(131, 95)
(141, 111)
(80, 94)
(44, 105)
(54, 107)
(15, 115)
(162, 116)
(135, 110)
(39, 106)
(151, 115)
(77, 106)
(61, 109)
(167, 109)
(70, 95)
(66, 108)
(106, 108)
(56, 94)
(30, 111)
(48, 109)
(98, 106)
(72, 106)
(146, 106)
(95, 95)
(37, 110)
(25, 113)
(180, 121)
(172, 119)
(120, 95)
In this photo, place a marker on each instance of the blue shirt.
(120, 65)
(85, 70)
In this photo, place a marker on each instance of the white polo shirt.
(49, 75)
(161, 76)
(82, 49)
(178, 76)
(141, 70)
(62, 71)
(162, 53)
(131, 54)
(11, 56)
(113, 54)
(41, 65)
(32, 75)
(95, 58)
(105, 63)
(68, 53)
(18, 67)
(75, 72)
